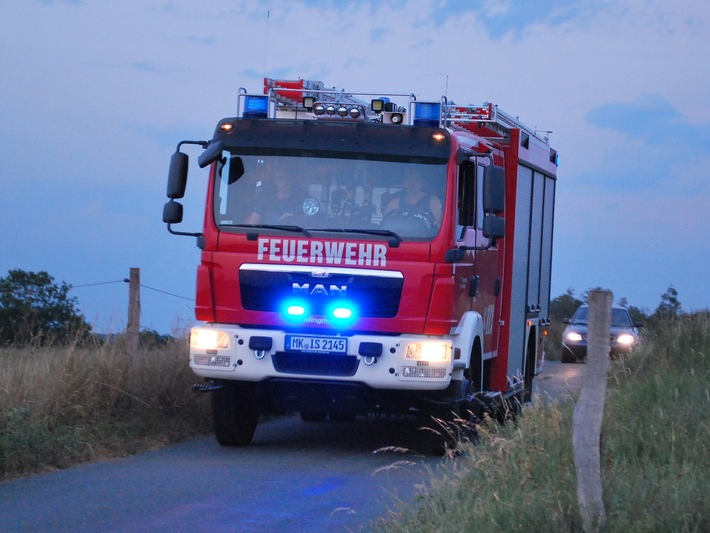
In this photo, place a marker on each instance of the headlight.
(428, 351)
(208, 339)
(625, 339)
(574, 336)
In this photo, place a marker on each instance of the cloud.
(652, 119)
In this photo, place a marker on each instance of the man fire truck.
(367, 253)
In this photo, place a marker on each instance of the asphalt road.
(296, 476)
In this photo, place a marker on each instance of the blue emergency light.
(256, 106)
(295, 310)
(427, 114)
(342, 313)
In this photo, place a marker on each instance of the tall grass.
(60, 406)
(655, 457)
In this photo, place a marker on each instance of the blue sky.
(95, 95)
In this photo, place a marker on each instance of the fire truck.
(365, 254)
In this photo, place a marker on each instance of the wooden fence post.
(134, 312)
(588, 414)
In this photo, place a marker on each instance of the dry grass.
(60, 406)
(655, 456)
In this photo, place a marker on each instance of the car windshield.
(329, 195)
(619, 317)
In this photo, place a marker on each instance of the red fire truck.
(367, 253)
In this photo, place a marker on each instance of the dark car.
(623, 335)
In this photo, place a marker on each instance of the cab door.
(480, 276)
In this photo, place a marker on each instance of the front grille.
(376, 296)
(315, 364)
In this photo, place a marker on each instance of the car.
(624, 334)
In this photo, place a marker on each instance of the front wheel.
(234, 414)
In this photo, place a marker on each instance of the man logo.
(319, 289)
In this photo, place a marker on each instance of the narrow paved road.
(297, 477)
(559, 380)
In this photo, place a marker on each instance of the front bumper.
(377, 361)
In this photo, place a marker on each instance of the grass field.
(60, 406)
(63, 406)
(655, 456)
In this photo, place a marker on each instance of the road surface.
(295, 477)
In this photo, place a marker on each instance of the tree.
(669, 307)
(564, 306)
(33, 308)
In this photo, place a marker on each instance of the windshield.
(328, 194)
(619, 317)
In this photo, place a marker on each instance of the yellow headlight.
(428, 351)
(625, 339)
(209, 339)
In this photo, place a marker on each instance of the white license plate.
(312, 344)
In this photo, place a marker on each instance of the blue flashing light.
(342, 313)
(294, 310)
(427, 114)
(256, 106)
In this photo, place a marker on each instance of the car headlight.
(428, 351)
(208, 339)
(626, 339)
(573, 336)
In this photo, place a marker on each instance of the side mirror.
(177, 177)
(493, 227)
(493, 189)
(211, 154)
(172, 212)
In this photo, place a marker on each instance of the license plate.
(306, 343)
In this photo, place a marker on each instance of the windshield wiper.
(380, 232)
(254, 235)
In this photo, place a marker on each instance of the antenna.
(266, 42)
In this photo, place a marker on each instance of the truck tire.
(234, 414)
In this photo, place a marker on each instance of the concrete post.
(588, 414)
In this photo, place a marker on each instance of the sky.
(95, 96)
